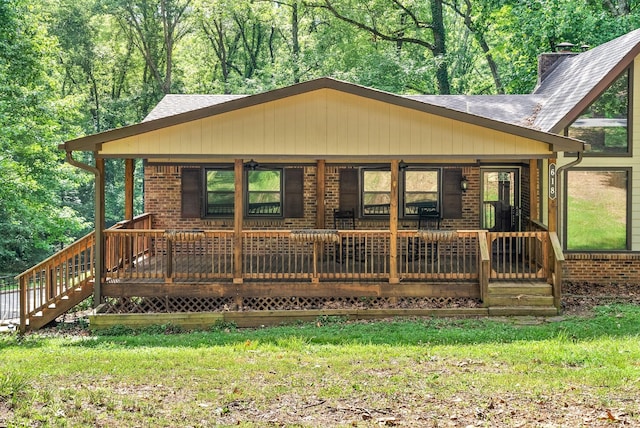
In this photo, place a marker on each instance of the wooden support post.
(169, 274)
(99, 227)
(393, 225)
(129, 169)
(320, 189)
(23, 303)
(534, 189)
(553, 206)
(237, 222)
(484, 261)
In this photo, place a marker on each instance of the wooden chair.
(349, 246)
(428, 219)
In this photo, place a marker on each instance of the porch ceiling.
(328, 119)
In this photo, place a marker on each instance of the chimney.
(547, 62)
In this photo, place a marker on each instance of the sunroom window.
(264, 193)
(220, 192)
(597, 210)
(604, 124)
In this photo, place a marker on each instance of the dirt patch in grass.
(579, 298)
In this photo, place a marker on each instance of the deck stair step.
(520, 294)
(59, 305)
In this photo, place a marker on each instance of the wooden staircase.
(521, 298)
(59, 305)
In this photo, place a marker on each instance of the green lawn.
(579, 371)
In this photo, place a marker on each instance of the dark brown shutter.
(294, 192)
(349, 190)
(452, 194)
(191, 193)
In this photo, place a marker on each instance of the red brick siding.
(602, 268)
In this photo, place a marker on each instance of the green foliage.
(74, 67)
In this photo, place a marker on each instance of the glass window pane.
(264, 193)
(264, 181)
(377, 181)
(376, 196)
(421, 181)
(220, 181)
(604, 123)
(420, 190)
(220, 192)
(597, 210)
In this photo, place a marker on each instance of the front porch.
(260, 273)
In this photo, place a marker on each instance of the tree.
(400, 24)
(35, 216)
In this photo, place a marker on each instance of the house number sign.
(552, 181)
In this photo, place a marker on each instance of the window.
(604, 124)
(264, 193)
(420, 190)
(220, 192)
(596, 207)
(376, 192)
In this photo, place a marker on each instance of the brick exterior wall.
(162, 199)
(602, 268)
(162, 186)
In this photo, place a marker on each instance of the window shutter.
(191, 194)
(452, 194)
(294, 192)
(349, 190)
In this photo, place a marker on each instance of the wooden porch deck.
(149, 270)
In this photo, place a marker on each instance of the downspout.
(99, 225)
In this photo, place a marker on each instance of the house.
(327, 197)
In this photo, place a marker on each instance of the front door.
(500, 211)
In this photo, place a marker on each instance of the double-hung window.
(220, 192)
(418, 188)
(264, 193)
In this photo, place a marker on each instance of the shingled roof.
(564, 93)
(578, 80)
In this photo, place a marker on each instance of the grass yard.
(575, 371)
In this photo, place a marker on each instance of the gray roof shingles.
(566, 86)
(576, 77)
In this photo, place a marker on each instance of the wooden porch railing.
(62, 273)
(134, 252)
(519, 255)
(281, 255)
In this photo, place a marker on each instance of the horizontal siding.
(326, 122)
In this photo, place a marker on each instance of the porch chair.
(428, 219)
(348, 247)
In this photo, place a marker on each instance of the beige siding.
(325, 123)
(625, 162)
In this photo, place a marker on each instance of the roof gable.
(578, 80)
(208, 106)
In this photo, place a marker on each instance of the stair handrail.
(54, 276)
(61, 275)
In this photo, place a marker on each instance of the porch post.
(237, 222)
(553, 205)
(99, 226)
(129, 169)
(534, 209)
(320, 188)
(393, 225)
